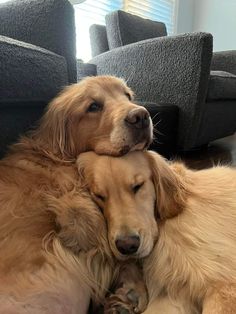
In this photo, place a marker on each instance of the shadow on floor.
(222, 151)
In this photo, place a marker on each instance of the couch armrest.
(29, 73)
(224, 61)
(45, 23)
(171, 69)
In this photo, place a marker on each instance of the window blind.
(94, 11)
(156, 10)
(88, 13)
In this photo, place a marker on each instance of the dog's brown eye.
(137, 187)
(128, 96)
(95, 107)
(100, 197)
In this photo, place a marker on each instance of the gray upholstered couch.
(173, 70)
(37, 58)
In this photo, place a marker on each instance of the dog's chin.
(141, 142)
(133, 147)
(122, 149)
(124, 140)
(140, 146)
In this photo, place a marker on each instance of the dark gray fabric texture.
(45, 23)
(222, 85)
(37, 58)
(171, 69)
(29, 72)
(224, 61)
(17, 117)
(124, 28)
(98, 39)
(219, 120)
(85, 69)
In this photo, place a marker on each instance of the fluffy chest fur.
(57, 300)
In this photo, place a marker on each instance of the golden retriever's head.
(97, 114)
(132, 191)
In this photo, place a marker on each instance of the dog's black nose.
(138, 118)
(128, 245)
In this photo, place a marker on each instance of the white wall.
(214, 16)
(219, 18)
(184, 23)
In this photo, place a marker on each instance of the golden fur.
(192, 267)
(51, 258)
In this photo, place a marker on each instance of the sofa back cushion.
(98, 39)
(124, 28)
(222, 85)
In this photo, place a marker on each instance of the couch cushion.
(85, 69)
(124, 28)
(49, 24)
(222, 85)
(98, 39)
(29, 72)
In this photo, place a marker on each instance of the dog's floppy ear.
(57, 124)
(85, 163)
(170, 186)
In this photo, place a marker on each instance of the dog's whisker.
(156, 131)
(131, 74)
(156, 141)
(157, 114)
(157, 123)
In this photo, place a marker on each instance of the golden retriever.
(51, 258)
(191, 268)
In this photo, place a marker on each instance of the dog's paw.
(118, 304)
(117, 310)
(129, 292)
(138, 299)
(124, 301)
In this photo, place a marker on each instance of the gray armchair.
(171, 70)
(37, 59)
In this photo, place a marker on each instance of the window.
(94, 11)
(156, 10)
(88, 13)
